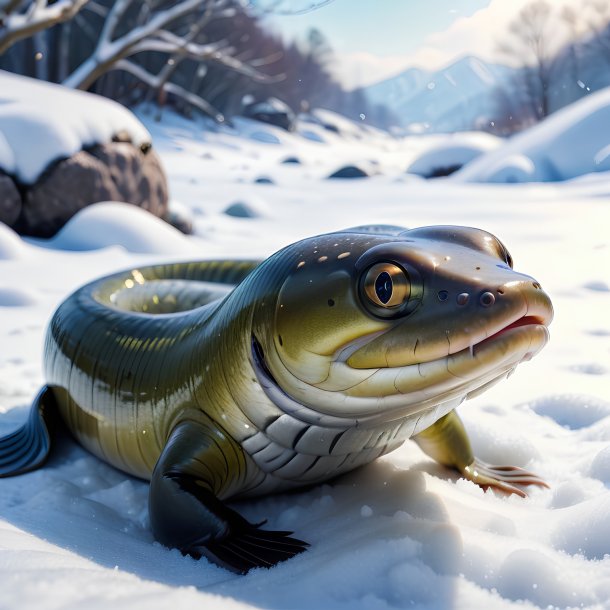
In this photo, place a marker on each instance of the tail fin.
(28, 447)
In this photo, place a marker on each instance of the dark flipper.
(199, 463)
(28, 447)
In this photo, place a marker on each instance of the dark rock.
(138, 175)
(247, 209)
(62, 191)
(294, 160)
(350, 171)
(441, 172)
(117, 171)
(331, 127)
(272, 111)
(264, 180)
(10, 200)
(180, 218)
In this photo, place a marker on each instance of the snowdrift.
(569, 143)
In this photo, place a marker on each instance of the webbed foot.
(504, 478)
(186, 512)
(241, 545)
(447, 442)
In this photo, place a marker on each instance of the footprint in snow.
(599, 332)
(573, 411)
(589, 369)
(598, 286)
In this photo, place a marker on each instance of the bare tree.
(591, 22)
(19, 19)
(530, 45)
(142, 49)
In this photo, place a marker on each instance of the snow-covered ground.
(400, 533)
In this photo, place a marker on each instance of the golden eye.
(387, 285)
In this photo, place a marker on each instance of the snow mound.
(546, 152)
(111, 223)
(16, 297)
(11, 245)
(584, 530)
(42, 122)
(452, 153)
(572, 411)
(600, 467)
(530, 575)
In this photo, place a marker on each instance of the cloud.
(363, 68)
(479, 34)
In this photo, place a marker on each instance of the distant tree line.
(192, 54)
(551, 78)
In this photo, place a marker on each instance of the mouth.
(385, 393)
(536, 324)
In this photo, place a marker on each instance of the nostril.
(487, 299)
(462, 298)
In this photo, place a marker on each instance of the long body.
(124, 371)
(226, 379)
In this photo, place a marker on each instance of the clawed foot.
(504, 478)
(246, 546)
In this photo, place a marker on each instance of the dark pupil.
(383, 287)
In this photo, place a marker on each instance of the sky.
(376, 39)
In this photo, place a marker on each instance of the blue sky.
(376, 39)
(384, 27)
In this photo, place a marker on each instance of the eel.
(227, 379)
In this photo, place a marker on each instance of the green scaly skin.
(327, 355)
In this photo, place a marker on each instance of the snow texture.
(402, 532)
(41, 123)
(567, 144)
(111, 223)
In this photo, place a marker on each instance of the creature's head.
(372, 327)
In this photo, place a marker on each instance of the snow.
(453, 152)
(41, 123)
(400, 533)
(111, 223)
(569, 143)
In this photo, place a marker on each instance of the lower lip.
(532, 322)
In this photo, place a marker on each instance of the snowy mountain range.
(461, 96)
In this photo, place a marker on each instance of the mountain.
(456, 98)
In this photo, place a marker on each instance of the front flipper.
(199, 464)
(447, 442)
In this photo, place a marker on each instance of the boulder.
(350, 171)
(272, 111)
(10, 200)
(62, 150)
(116, 171)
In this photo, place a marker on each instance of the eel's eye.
(387, 285)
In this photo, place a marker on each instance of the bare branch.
(274, 7)
(154, 81)
(109, 50)
(38, 16)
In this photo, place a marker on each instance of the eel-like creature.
(228, 379)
